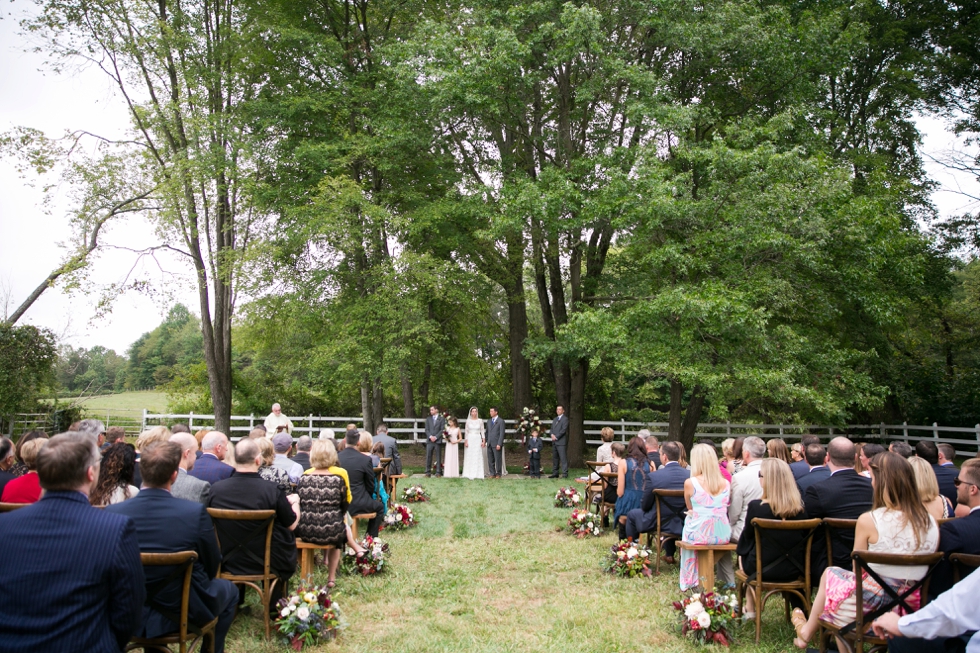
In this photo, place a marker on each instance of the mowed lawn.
(127, 402)
(487, 570)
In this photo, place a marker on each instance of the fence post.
(780, 431)
(977, 428)
(881, 431)
(251, 421)
(728, 428)
(622, 428)
(143, 426)
(311, 425)
(190, 421)
(905, 431)
(935, 432)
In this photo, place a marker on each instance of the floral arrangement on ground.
(527, 422)
(307, 616)
(372, 561)
(708, 616)
(399, 516)
(415, 494)
(629, 559)
(567, 497)
(583, 523)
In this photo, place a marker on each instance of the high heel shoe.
(798, 619)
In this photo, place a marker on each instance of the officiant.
(277, 422)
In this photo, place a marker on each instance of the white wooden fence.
(412, 430)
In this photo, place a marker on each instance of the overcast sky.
(30, 238)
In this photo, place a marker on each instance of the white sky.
(29, 238)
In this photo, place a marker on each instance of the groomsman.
(434, 426)
(495, 444)
(559, 441)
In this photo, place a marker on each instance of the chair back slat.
(233, 550)
(183, 564)
(763, 538)
(8, 507)
(832, 525)
(963, 562)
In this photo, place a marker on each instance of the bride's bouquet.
(527, 422)
(399, 517)
(371, 562)
(415, 494)
(583, 523)
(567, 497)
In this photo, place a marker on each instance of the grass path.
(487, 571)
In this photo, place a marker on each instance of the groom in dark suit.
(559, 443)
(434, 426)
(495, 444)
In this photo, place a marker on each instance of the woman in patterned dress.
(707, 495)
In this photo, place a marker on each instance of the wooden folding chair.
(963, 564)
(798, 555)
(664, 513)
(852, 637)
(605, 506)
(833, 528)
(233, 550)
(183, 569)
(8, 507)
(593, 487)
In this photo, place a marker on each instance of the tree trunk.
(424, 388)
(576, 414)
(691, 418)
(676, 406)
(520, 368)
(366, 405)
(408, 396)
(377, 406)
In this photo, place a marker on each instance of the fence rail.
(408, 430)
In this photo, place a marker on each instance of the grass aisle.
(486, 571)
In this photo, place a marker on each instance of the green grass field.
(487, 571)
(129, 402)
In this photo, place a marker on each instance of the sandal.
(798, 619)
(331, 584)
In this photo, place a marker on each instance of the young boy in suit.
(534, 444)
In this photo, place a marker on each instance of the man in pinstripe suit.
(72, 578)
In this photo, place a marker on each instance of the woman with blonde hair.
(776, 448)
(796, 452)
(897, 523)
(780, 500)
(707, 495)
(270, 472)
(323, 500)
(935, 504)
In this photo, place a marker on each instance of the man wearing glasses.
(960, 535)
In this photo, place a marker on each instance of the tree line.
(681, 209)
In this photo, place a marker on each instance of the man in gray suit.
(391, 449)
(559, 444)
(186, 486)
(495, 444)
(434, 426)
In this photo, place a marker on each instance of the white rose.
(294, 600)
(291, 608)
(303, 613)
(631, 552)
(704, 619)
(591, 525)
(645, 553)
(285, 612)
(693, 609)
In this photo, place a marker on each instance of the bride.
(473, 452)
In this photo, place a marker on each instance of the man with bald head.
(187, 486)
(845, 495)
(210, 466)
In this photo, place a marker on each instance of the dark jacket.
(815, 475)
(845, 495)
(785, 570)
(535, 443)
(302, 459)
(72, 577)
(669, 477)
(957, 536)
(166, 524)
(800, 469)
(209, 468)
(945, 475)
(362, 481)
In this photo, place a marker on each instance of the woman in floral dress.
(706, 494)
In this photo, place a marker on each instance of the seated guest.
(610, 489)
(246, 490)
(179, 428)
(644, 519)
(364, 444)
(328, 434)
(93, 427)
(897, 523)
(26, 488)
(706, 495)
(210, 466)
(166, 524)
(390, 446)
(728, 456)
(801, 467)
(323, 501)
(960, 535)
(268, 470)
(796, 452)
(283, 443)
(947, 455)
(776, 448)
(199, 436)
(114, 434)
(303, 446)
(816, 461)
(631, 482)
(745, 487)
(336, 470)
(721, 468)
(158, 433)
(7, 460)
(360, 472)
(72, 577)
(845, 495)
(186, 486)
(19, 468)
(903, 449)
(653, 448)
(736, 465)
(944, 475)
(865, 452)
(115, 476)
(949, 624)
(257, 433)
(604, 453)
(780, 500)
(925, 480)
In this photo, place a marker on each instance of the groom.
(559, 442)
(434, 426)
(495, 444)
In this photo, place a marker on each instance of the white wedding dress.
(474, 454)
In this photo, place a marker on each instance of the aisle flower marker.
(583, 523)
(415, 494)
(372, 561)
(567, 497)
(307, 616)
(399, 517)
(708, 616)
(629, 559)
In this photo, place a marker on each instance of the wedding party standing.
(473, 445)
(495, 444)
(434, 426)
(451, 466)
(559, 444)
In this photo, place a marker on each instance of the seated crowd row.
(897, 498)
(85, 562)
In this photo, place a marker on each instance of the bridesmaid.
(450, 467)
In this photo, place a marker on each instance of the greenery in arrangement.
(373, 560)
(399, 517)
(709, 617)
(628, 559)
(567, 497)
(583, 523)
(308, 616)
(415, 494)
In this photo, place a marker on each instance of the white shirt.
(273, 421)
(953, 613)
(745, 487)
